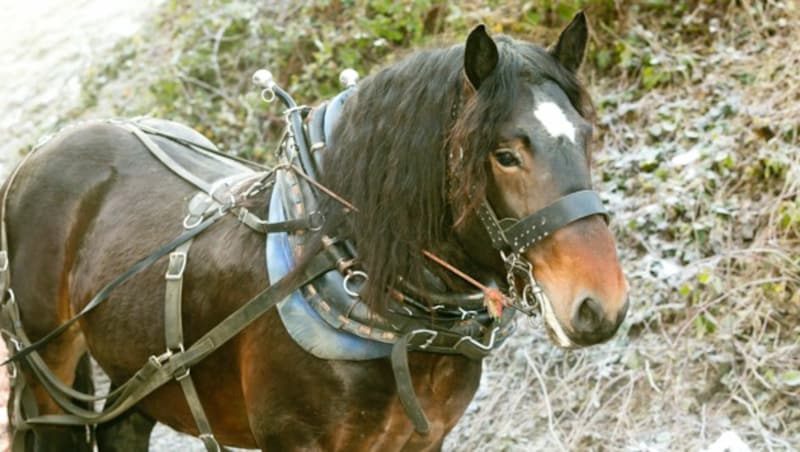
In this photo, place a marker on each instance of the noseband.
(511, 236)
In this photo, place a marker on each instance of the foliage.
(194, 62)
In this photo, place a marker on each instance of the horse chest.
(444, 385)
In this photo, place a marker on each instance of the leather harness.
(424, 319)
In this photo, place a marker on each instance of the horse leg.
(130, 432)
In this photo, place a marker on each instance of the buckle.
(3, 261)
(159, 360)
(210, 442)
(192, 221)
(180, 376)
(176, 267)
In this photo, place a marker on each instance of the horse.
(434, 155)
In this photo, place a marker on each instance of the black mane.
(389, 155)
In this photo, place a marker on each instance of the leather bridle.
(514, 236)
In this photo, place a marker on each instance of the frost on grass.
(699, 161)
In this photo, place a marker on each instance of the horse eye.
(507, 158)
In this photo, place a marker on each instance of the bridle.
(511, 237)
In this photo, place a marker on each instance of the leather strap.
(521, 234)
(405, 387)
(105, 292)
(173, 323)
(159, 370)
(173, 334)
(159, 153)
(437, 342)
(312, 222)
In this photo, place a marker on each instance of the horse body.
(458, 126)
(260, 389)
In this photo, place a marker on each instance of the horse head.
(522, 142)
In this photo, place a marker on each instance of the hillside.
(697, 154)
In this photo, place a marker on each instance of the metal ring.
(346, 282)
(316, 220)
(187, 225)
(267, 95)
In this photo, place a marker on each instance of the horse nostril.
(588, 317)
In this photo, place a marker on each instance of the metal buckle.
(3, 261)
(467, 315)
(16, 343)
(159, 360)
(208, 436)
(176, 258)
(430, 339)
(184, 374)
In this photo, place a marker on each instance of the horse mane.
(388, 156)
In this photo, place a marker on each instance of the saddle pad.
(304, 325)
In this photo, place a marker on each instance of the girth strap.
(523, 233)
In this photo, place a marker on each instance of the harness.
(424, 318)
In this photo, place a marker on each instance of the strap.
(199, 414)
(158, 370)
(492, 225)
(173, 334)
(174, 166)
(564, 211)
(173, 323)
(198, 146)
(105, 292)
(521, 234)
(312, 222)
(405, 387)
(5, 273)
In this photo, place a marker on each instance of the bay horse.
(420, 150)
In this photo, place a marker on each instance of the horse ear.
(480, 56)
(571, 44)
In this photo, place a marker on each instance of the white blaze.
(554, 120)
